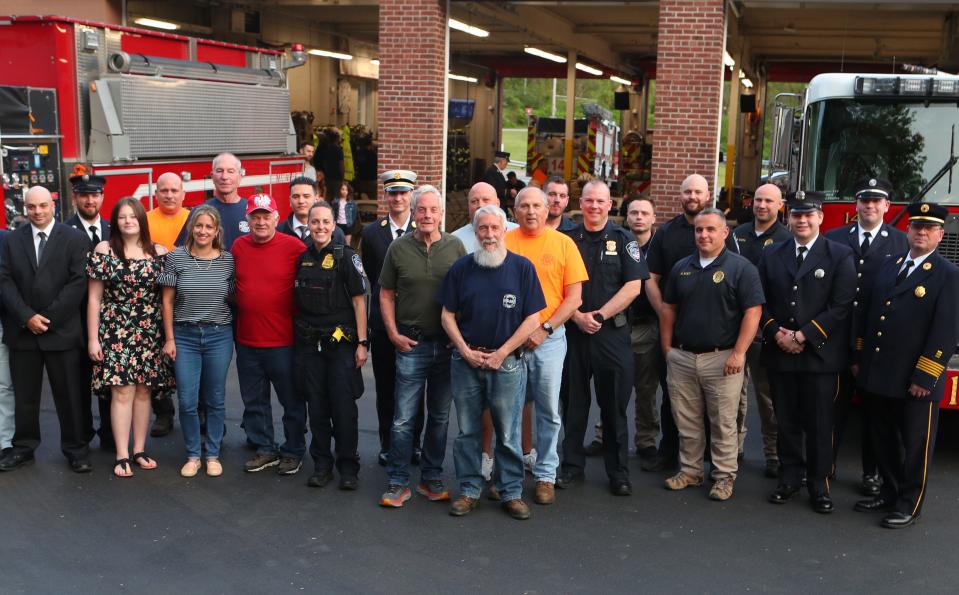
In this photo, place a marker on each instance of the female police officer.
(331, 346)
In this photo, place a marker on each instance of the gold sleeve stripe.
(768, 322)
(927, 371)
(816, 324)
(860, 344)
(927, 365)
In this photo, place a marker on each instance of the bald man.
(674, 241)
(480, 195)
(751, 239)
(167, 218)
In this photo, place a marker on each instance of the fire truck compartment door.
(137, 117)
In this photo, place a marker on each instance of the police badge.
(718, 277)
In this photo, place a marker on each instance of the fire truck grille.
(949, 247)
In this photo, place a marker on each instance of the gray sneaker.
(261, 461)
(288, 466)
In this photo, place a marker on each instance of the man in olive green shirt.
(413, 270)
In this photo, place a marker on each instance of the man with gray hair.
(491, 302)
(711, 308)
(226, 175)
(413, 269)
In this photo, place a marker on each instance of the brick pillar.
(689, 83)
(411, 104)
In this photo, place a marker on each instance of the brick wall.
(411, 101)
(689, 71)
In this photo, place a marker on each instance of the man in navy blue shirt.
(491, 301)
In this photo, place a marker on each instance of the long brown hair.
(116, 239)
(213, 214)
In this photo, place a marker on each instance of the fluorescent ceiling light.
(157, 24)
(326, 54)
(589, 69)
(375, 62)
(728, 60)
(459, 77)
(547, 55)
(620, 80)
(461, 26)
(747, 83)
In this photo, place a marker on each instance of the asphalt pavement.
(262, 533)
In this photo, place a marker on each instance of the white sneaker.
(487, 468)
(529, 460)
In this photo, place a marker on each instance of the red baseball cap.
(261, 202)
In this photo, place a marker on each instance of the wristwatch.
(548, 328)
(364, 343)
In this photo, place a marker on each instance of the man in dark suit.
(809, 283)
(908, 333)
(87, 202)
(375, 240)
(303, 194)
(494, 176)
(872, 241)
(42, 281)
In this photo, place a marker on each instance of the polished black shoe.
(319, 479)
(898, 520)
(383, 459)
(821, 503)
(783, 494)
(81, 465)
(871, 485)
(13, 460)
(771, 470)
(877, 504)
(594, 448)
(349, 484)
(567, 479)
(620, 488)
(417, 456)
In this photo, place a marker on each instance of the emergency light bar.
(906, 87)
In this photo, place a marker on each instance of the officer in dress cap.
(87, 184)
(398, 180)
(810, 283)
(909, 332)
(872, 241)
(495, 175)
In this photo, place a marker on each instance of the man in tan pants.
(711, 310)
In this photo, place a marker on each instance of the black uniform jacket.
(54, 289)
(376, 239)
(104, 231)
(494, 178)
(887, 241)
(909, 331)
(816, 299)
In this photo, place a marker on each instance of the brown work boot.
(722, 489)
(517, 509)
(681, 481)
(162, 425)
(463, 505)
(545, 493)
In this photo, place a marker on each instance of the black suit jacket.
(374, 243)
(104, 228)
(815, 299)
(54, 289)
(909, 331)
(888, 241)
(494, 178)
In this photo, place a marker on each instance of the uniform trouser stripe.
(925, 461)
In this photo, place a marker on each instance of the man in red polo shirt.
(265, 271)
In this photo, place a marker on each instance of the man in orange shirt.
(167, 219)
(561, 274)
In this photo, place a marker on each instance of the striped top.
(203, 286)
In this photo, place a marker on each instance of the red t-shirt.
(264, 289)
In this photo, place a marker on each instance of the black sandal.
(137, 456)
(125, 465)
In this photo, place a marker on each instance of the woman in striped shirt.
(198, 284)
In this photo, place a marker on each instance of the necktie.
(304, 232)
(94, 235)
(865, 243)
(800, 255)
(41, 246)
(399, 232)
(904, 272)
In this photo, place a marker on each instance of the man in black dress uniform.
(909, 332)
(872, 241)
(376, 238)
(495, 175)
(809, 283)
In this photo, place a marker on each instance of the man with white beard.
(491, 302)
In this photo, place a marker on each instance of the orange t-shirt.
(164, 228)
(557, 262)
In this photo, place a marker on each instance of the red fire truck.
(131, 104)
(899, 127)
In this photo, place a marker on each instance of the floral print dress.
(131, 325)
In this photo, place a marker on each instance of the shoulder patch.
(358, 264)
(634, 251)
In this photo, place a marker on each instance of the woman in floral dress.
(126, 330)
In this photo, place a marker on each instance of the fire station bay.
(805, 95)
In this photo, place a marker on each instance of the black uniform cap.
(805, 201)
(87, 184)
(873, 189)
(927, 213)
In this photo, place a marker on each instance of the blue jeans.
(428, 363)
(544, 375)
(502, 391)
(203, 354)
(256, 369)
